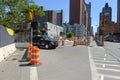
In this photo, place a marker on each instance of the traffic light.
(31, 15)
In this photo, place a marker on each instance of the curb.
(6, 51)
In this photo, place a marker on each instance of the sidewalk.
(17, 55)
(11, 69)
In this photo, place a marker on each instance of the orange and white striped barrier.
(63, 42)
(75, 42)
(35, 56)
(78, 42)
(29, 52)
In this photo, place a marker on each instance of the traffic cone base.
(34, 62)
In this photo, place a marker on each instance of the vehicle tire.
(46, 46)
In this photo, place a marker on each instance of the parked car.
(44, 42)
(116, 40)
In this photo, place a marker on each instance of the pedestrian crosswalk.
(107, 66)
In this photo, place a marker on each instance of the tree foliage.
(69, 34)
(16, 11)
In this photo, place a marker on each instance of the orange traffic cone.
(35, 56)
(62, 42)
(74, 42)
(29, 52)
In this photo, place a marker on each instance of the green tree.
(69, 34)
(16, 11)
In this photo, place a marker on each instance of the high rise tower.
(75, 11)
(78, 12)
(106, 14)
(89, 17)
(118, 14)
(60, 17)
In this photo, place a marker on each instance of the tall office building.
(89, 18)
(118, 14)
(78, 12)
(106, 14)
(60, 17)
(75, 11)
(51, 16)
(55, 17)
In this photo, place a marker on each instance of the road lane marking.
(104, 59)
(112, 65)
(33, 73)
(103, 65)
(94, 72)
(110, 59)
(108, 69)
(98, 61)
(105, 55)
(101, 77)
(111, 76)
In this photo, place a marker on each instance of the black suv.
(44, 42)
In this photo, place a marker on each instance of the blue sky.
(96, 8)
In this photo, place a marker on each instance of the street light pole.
(31, 15)
(31, 34)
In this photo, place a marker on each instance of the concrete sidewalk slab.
(10, 68)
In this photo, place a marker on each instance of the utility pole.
(31, 16)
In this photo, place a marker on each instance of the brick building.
(110, 28)
(78, 12)
(118, 14)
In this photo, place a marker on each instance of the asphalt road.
(113, 49)
(65, 63)
(105, 61)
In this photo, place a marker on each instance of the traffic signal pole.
(31, 34)
(31, 16)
